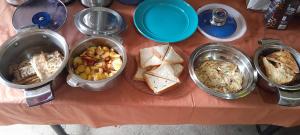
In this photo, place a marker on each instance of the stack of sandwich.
(160, 67)
(40, 67)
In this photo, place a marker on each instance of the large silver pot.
(103, 25)
(219, 51)
(75, 81)
(289, 95)
(96, 3)
(23, 46)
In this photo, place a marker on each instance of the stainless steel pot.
(75, 81)
(22, 46)
(96, 3)
(289, 94)
(102, 25)
(219, 51)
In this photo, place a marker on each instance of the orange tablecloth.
(126, 105)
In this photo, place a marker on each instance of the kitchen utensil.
(219, 51)
(102, 32)
(23, 46)
(289, 94)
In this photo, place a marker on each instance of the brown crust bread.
(285, 58)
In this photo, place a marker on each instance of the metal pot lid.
(99, 21)
(221, 23)
(44, 14)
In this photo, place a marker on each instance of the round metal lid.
(221, 23)
(44, 14)
(99, 21)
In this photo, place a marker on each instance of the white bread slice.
(39, 64)
(45, 65)
(157, 84)
(139, 75)
(172, 57)
(164, 71)
(178, 68)
(160, 51)
(147, 58)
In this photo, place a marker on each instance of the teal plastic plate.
(165, 20)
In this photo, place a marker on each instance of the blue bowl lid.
(227, 29)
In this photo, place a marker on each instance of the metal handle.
(38, 96)
(219, 17)
(289, 98)
(269, 41)
(72, 81)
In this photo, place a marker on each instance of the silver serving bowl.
(75, 81)
(264, 81)
(218, 51)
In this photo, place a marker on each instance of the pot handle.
(269, 41)
(38, 96)
(72, 81)
(289, 98)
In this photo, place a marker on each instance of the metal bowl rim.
(246, 91)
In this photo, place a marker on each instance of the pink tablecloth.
(126, 105)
